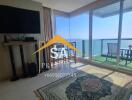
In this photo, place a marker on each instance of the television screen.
(16, 20)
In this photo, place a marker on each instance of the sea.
(96, 46)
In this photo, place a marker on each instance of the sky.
(103, 28)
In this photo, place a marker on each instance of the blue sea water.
(96, 46)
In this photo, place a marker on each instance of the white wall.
(5, 65)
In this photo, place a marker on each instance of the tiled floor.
(23, 88)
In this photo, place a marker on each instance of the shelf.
(9, 43)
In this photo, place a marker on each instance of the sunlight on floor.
(24, 87)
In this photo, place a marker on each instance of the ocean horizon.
(96, 46)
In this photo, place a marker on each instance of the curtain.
(48, 33)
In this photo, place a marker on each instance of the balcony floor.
(101, 59)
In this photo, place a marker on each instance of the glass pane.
(105, 34)
(126, 41)
(62, 26)
(79, 32)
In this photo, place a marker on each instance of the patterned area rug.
(88, 87)
(83, 87)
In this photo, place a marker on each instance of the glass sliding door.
(126, 38)
(75, 29)
(79, 33)
(105, 34)
(62, 26)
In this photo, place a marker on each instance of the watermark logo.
(57, 39)
(56, 55)
(54, 50)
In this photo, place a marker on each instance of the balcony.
(100, 50)
(103, 25)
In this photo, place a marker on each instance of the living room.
(53, 50)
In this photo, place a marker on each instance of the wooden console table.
(10, 45)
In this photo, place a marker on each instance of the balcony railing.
(99, 49)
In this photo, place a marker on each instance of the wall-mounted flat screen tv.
(16, 20)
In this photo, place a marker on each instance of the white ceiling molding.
(75, 7)
(65, 5)
(61, 13)
(95, 5)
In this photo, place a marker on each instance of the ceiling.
(65, 5)
(71, 5)
(113, 9)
